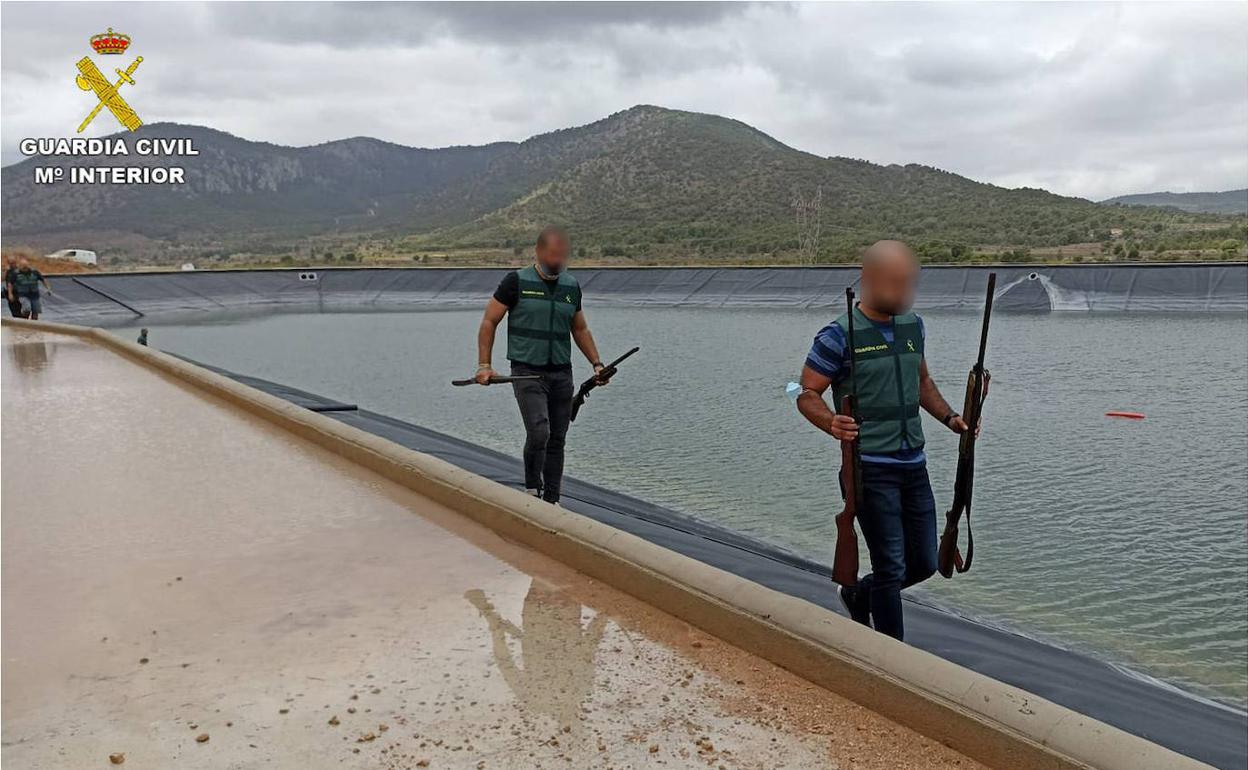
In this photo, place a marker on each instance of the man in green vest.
(10, 274)
(544, 302)
(23, 287)
(898, 515)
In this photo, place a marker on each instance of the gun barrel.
(498, 379)
(620, 360)
(950, 558)
(850, 404)
(983, 333)
(599, 378)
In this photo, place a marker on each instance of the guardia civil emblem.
(90, 78)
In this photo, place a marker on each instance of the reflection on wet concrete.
(296, 611)
(555, 673)
(30, 355)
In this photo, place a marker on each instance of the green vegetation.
(1227, 202)
(714, 189)
(644, 186)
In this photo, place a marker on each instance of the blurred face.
(23, 263)
(890, 283)
(554, 254)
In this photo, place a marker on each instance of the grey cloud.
(1085, 99)
(541, 24)
(544, 22)
(940, 64)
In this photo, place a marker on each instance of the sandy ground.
(48, 266)
(190, 588)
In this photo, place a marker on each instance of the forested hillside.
(648, 184)
(1226, 202)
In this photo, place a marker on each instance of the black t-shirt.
(508, 291)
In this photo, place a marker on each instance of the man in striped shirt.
(898, 515)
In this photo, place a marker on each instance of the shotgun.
(949, 557)
(845, 561)
(600, 378)
(498, 379)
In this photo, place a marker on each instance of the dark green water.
(1125, 539)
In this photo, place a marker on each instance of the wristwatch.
(596, 364)
(948, 418)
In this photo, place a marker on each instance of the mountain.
(1227, 202)
(647, 183)
(238, 185)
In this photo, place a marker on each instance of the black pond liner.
(112, 299)
(1198, 728)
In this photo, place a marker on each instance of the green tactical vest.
(26, 283)
(888, 383)
(539, 327)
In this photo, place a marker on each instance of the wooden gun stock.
(845, 560)
(949, 557)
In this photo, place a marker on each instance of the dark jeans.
(546, 407)
(898, 521)
(29, 306)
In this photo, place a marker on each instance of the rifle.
(498, 379)
(845, 560)
(600, 378)
(949, 557)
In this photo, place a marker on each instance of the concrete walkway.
(193, 588)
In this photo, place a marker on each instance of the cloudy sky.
(1087, 99)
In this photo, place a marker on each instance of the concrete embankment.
(175, 569)
(989, 721)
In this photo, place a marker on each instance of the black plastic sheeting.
(121, 298)
(1189, 725)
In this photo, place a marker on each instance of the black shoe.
(857, 604)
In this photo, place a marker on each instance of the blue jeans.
(898, 521)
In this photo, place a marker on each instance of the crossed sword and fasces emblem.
(91, 79)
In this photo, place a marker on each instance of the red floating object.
(1128, 415)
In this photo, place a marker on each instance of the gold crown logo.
(110, 42)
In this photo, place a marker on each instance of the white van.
(77, 255)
